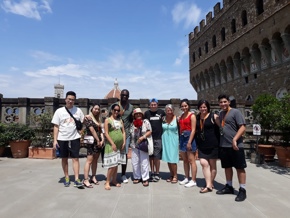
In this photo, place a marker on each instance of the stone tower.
(242, 49)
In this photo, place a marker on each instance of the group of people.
(153, 136)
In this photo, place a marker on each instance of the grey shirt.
(233, 120)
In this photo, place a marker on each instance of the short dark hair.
(221, 96)
(186, 101)
(202, 101)
(71, 93)
(125, 90)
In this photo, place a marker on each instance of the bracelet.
(144, 136)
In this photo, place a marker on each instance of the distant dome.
(115, 92)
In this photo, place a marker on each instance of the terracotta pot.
(41, 153)
(19, 149)
(268, 151)
(283, 154)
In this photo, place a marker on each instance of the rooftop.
(33, 188)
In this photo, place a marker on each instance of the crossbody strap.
(70, 114)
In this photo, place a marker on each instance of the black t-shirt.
(155, 119)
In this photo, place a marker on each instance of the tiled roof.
(115, 92)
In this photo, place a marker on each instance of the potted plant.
(265, 112)
(41, 146)
(19, 137)
(283, 149)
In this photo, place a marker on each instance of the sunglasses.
(116, 110)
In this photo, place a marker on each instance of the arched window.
(193, 56)
(259, 6)
(214, 41)
(199, 52)
(223, 34)
(206, 47)
(233, 26)
(244, 18)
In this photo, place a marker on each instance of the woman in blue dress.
(170, 142)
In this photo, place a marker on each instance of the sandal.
(86, 185)
(145, 183)
(94, 181)
(136, 181)
(174, 180)
(169, 179)
(205, 190)
(116, 184)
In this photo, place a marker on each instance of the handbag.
(78, 123)
(143, 145)
(88, 139)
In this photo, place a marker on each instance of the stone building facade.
(242, 49)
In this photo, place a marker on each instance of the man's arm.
(238, 135)
(55, 135)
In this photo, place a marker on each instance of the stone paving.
(33, 188)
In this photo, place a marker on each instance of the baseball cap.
(154, 100)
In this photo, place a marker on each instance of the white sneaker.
(124, 179)
(190, 184)
(183, 182)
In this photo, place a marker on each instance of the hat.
(154, 100)
(137, 111)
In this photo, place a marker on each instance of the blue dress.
(170, 142)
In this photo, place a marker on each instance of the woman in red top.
(187, 123)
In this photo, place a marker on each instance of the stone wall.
(243, 50)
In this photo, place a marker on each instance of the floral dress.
(93, 148)
(113, 158)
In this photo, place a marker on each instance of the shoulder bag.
(78, 123)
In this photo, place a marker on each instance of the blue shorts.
(183, 140)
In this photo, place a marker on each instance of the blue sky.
(86, 44)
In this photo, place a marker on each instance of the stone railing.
(14, 110)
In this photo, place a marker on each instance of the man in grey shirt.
(232, 149)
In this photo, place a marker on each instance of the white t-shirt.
(67, 126)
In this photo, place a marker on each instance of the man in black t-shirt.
(155, 115)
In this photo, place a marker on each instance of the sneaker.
(124, 179)
(66, 182)
(191, 183)
(156, 178)
(241, 195)
(183, 182)
(226, 190)
(78, 183)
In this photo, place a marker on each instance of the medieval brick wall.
(242, 50)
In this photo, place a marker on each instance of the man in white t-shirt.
(67, 137)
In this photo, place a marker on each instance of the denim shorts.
(183, 140)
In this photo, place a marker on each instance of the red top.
(185, 124)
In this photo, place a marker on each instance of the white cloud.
(27, 8)
(14, 69)
(72, 70)
(44, 56)
(186, 12)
